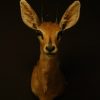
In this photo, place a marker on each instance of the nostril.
(50, 48)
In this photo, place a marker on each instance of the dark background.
(79, 50)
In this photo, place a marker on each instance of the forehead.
(49, 27)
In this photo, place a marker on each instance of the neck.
(48, 69)
(47, 60)
(48, 64)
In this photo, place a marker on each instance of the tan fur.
(47, 80)
(52, 34)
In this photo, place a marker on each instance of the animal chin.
(50, 54)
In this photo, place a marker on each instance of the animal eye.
(59, 35)
(39, 34)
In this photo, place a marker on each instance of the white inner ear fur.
(28, 15)
(70, 16)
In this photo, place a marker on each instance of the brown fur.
(47, 80)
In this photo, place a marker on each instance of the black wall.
(79, 49)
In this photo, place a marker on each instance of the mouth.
(50, 54)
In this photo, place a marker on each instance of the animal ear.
(28, 15)
(70, 16)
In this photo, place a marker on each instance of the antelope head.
(49, 33)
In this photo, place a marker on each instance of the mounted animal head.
(49, 32)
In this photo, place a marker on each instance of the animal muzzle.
(50, 49)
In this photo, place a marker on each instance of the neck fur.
(48, 69)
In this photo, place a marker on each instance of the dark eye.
(39, 34)
(59, 35)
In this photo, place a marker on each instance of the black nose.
(50, 48)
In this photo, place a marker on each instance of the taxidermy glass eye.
(39, 34)
(59, 35)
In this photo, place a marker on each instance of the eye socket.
(59, 35)
(39, 34)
